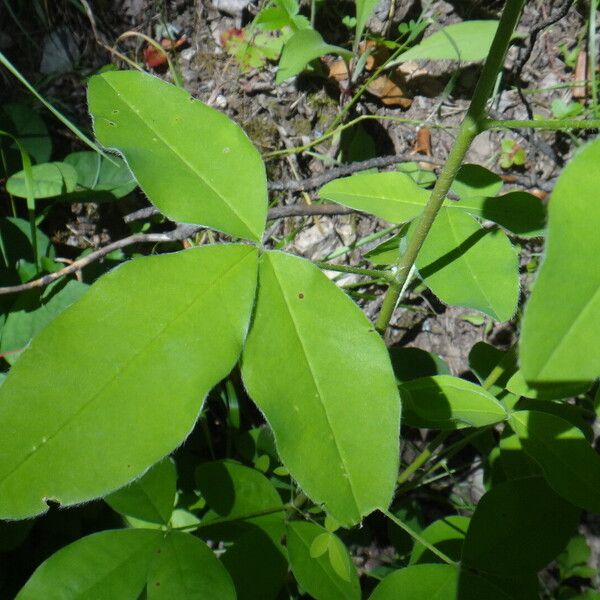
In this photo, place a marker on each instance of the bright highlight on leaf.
(169, 139)
(320, 373)
(466, 42)
(49, 180)
(320, 562)
(392, 196)
(304, 46)
(561, 325)
(117, 380)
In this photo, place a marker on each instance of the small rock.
(232, 7)
(317, 241)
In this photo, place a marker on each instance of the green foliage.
(465, 42)
(123, 361)
(120, 565)
(320, 563)
(123, 105)
(447, 403)
(113, 379)
(305, 330)
(467, 265)
(303, 47)
(561, 321)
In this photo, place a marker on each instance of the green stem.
(84, 138)
(329, 134)
(423, 457)
(418, 538)
(362, 241)
(469, 129)
(378, 274)
(222, 520)
(507, 362)
(593, 54)
(551, 124)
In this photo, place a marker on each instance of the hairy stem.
(470, 127)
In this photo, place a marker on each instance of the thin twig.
(180, 233)
(355, 167)
(536, 30)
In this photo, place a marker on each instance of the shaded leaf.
(234, 493)
(108, 179)
(122, 564)
(466, 265)
(518, 527)
(257, 564)
(446, 534)
(418, 582)
(447, 403)
(151, 497)
(475, 180)
(187, 568)
(49, 180)
(569, 463)
(25, 124)
(519, 212)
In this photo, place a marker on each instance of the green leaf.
(100, 178)
(519, 212)
(412, 363)
(150, 498)
(419, 582)
(447, 403)
(49, 180)
(187, 568)
(32, 311)
(304, 46)
(388, 252)
(116, 381)
(447, 535)
(475, 180)
(320, 545)
(168, 139)
(26, 125)
(234, 493)
(257, 564)
(466, 265)
(468, 41)
(421, 176)
(518, 527)
(122, 564)
(16, 248)
(485, 358)
(392, 196)
(573, 562)
(107, 565)
(334, 387)
(548, 391)
(323, 577)
(561, 322)
(569, 463)
(364, 10)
